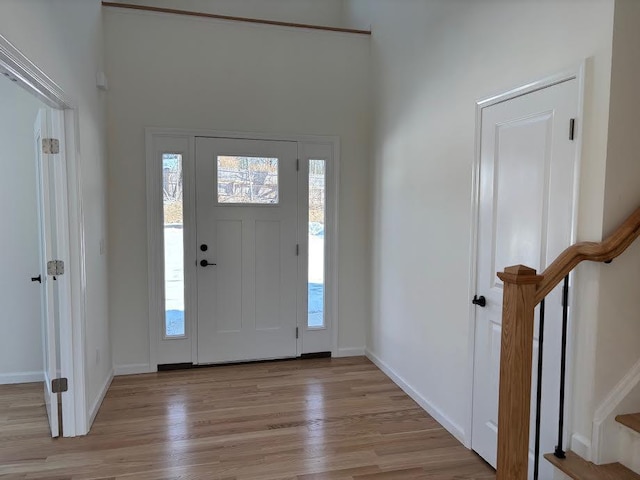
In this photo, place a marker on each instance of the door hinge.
(55, 267)
(572, 129)
(50, 146)
(298, 250)
(297, 165)
(59, 385)
(297, 332)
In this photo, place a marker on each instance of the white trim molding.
(175, 140)
(605, 414)
(438, 415)
(30, 77)
(351, 352)
(21, 377)
(95, 406)
(158, 143)
(132, 369)
(27, 75)
(581, 445)
(313, 340)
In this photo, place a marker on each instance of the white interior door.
(527, 173)
(45, 174)
(246, 209)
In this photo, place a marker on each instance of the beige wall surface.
(176, 72)
(432, 61)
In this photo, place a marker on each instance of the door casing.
(184, 141)
(76, 418)
(578, 73)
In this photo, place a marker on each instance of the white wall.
(169, 71)
(20, 320)
(618, 346)
(318, 12)
(431, 62)
(64, 38)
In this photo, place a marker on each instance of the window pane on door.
(247, 180)
(174, 324)
(317, 215)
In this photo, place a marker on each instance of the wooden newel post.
(515, 371)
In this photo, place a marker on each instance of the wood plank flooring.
(329, 419)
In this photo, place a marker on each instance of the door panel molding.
(575, 72)
(185, 139)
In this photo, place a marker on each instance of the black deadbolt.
(204, 247)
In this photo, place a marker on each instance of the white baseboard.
(558, 475)
(23, 377)
(95, 407)
(133, 369)
(581, 445)
(432, 410)
(351, 352)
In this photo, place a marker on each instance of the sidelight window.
(317, 244)
(172, 192)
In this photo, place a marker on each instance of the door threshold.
(188, 366)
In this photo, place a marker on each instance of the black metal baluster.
(560, 453)
(536, 466)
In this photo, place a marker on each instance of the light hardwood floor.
(334, 419)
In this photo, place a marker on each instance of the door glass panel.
(247, 180)
(174, 324)
(317, 215)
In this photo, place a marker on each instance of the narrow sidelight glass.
(317, 246)
(174, 323)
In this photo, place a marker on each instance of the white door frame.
(27, 75)
(573, 73)
(185, 140)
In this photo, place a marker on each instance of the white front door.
(45, 176)
(527, 178)
(246, 209)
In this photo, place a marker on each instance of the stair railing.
(524, 289)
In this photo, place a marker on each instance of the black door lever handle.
(205, 263)
(479, 300)
(37, 279)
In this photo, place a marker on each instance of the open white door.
(45, 175)
(60, 231)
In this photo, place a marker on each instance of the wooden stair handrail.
(523, 290)
(604, 251)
